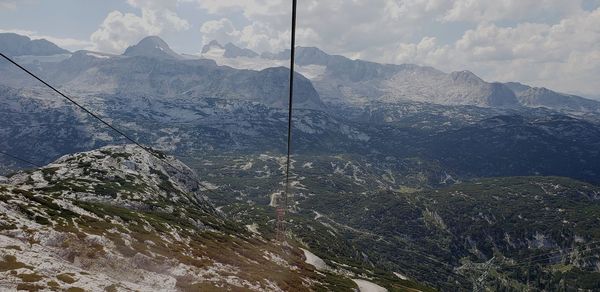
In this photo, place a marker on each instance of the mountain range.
(151, 68)
(342, 80)
(336, 79)
(402, 175)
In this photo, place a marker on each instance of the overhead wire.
(72, 101)
(290, 102)
(19, 159)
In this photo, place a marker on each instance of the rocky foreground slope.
(119, 219)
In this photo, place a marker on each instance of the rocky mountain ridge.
(152, 69)
(340, 80)
(13, 44)
(337, 79)
(152, 47)
(544, 97)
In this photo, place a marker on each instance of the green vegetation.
(32, 277)
(67, 278)
(14, 247)
(53, 284)
(422, 232)
(116, 155)
(29, 287)
(10, 263)
(363, 220)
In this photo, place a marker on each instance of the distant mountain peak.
(542, 90)
(313, 50)
(283, 55)
(465, 76)
(152, 46)
(18, 45)
(517, 87)
(214, 44)
(233, 51)
(544, 97)
(229, 50)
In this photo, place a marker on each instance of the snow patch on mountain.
(366, 286)
(315, 261)
(97, 55)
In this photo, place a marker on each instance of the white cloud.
(352, 26)
(544, 42)
(161, 12)
(222, 30)
(487, 11)
(65, 43)
(334, 25)
(564, 56)
(120, 30)
(252, 9)
(268, 29)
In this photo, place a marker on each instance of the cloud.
(161, 13)
(120, 30)
(252, 9)
(488, 11)
(256, 36)
(542, 42)
(222, 30)
(353, 26)
(334, 25)
(66, 43)
(537, 41)
(8, 4)
(268, 28)
(564, 56)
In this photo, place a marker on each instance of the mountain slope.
(340, 80)
(229, 50)
(353, 210)
(423, 141)
(447, 231)
(463, 226)
(152, 69)
(543, 97)
(65, 226)
(425, 84)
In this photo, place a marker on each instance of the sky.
(550, 43)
